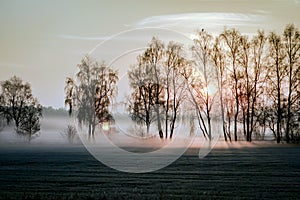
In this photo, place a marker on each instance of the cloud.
(186, 23)
(210, 20)
(264, 12)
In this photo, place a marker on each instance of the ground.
(70, 172)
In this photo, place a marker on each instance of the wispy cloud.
(207, 19)
(263, 12)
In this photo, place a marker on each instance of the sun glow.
(210, 90)
(106, 126)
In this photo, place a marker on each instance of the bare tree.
(245, 84)
(91, 92)
(258, 52)
(141, 102)
(158, 86)
(232, 41)
(291, 39)
(276, 78)
(203, 96)
(70, 133)
(250, 79)
(153, 57)
(219, 61)
(175, 85)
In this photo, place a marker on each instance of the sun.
(210, 90)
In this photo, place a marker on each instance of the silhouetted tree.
(251, 61)
(70, 133)
(245, 85)
(232, 41)
(158, 86)
(205, 98)
(152, 85)
(291, 39)
(175, 84)
(259, 62)
(91, 92)
(19, 105)
(30, 121)
(219, 60)
(142, 100)
(276, 76)
(2, 117)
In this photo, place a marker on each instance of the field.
(70, 172)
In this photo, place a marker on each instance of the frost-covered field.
(48, 168)
(70, 171)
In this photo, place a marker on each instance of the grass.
(70, 172)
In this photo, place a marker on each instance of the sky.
(42, 41)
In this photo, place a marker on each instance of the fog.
(124, 133)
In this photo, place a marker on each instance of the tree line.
(256, 82)
(252, 82)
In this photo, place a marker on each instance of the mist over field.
(50, 167)
(124, 133)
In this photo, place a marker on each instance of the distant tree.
(30, 121)
(50, 111)
(91, 92)
(70, 133)
(19, 105)
(291, 40)
(2, 117)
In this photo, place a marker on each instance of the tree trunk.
(248, 120)
(236, 100)
(278, 107)
(148, 127)
(236, 112)
(160, 132)
(167, 111)
(222, 112)
(173, 124)
(287, 136)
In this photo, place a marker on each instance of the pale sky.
(43, 41)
